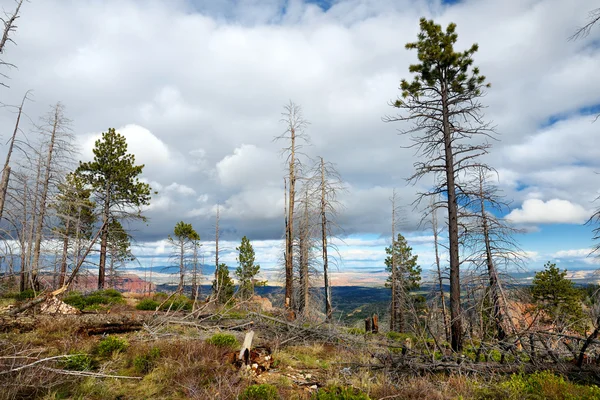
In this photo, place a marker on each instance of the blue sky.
(198, 88)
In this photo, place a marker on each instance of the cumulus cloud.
(200, 102)
(536, 211)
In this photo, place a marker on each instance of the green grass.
(111, 345)
(147, 304)
(260, 392)
(95, 301)
(222, 340)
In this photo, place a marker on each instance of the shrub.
(176, 303)
(340, 393)
(542, 385)
(111, 345)
(78, 362)
(94, 299)
(223, 340)
(260, 392)
(147, 305)
(146, 362)
(25, 295)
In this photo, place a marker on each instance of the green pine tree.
(442, 103)
(185, 237)
(113, 177)
(558, 298)
(246, 270)
(408, 276)
(223, 284)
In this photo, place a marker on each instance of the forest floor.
(119, 352)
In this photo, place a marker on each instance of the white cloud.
(536, 211)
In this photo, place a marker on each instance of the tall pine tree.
(117, 190)
(442, 103)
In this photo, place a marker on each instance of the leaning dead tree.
(9, 21)
(442, 103)
(294, 137)
(6, 170)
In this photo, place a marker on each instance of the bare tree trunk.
(393, 307)
(492, 273)
(303, 247)
(104, 237)
(455, 309)
(63, 262)
(181, 267)
(6, 170)
(23, 273)
(328, 308)
(289, 266)
(439, 274)
(217, 283)
(33, 278)
(44, 194)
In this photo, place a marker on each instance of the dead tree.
(59, 153)
(6, 170)
(329, 187)
(394, 283)
(593, 18)
(217, 283)
(304, 252)
(294, 135)
(440, 281)
(489, 241)
(9, 21)
(442, 103)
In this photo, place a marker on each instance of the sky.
(198, 89)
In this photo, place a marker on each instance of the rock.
(261, 303)
(53, 305)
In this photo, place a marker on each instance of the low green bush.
(78, 362)
(223, 340)
(340, 393)
(25, 295)
(147, 305)
(111, 345)
(177, 303)
(260, 392)
(538, 385)
(146, 362)
(90, 302)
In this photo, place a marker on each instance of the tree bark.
(104, 237)
(492, 273)
(63, 262)
(46, 185)
(455, 308)
(439, 274)
(393, 308)
(289, 266)
(328, 308)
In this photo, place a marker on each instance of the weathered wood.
(375, 323)
(588, 341)
(368, 326)
(246, 346)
